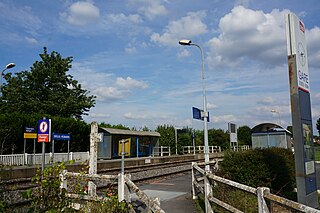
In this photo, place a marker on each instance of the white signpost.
(301, 111)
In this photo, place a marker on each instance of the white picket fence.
(161, 151)
(34, 159)
(200, 149)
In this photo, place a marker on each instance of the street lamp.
(205, 122)
(9, 66)
(275, 111)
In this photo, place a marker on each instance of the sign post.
(301, 112)
(233, 135)
(29, 132)
(44, 136)
(60, 137)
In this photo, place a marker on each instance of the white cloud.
(131, 83)
(81, 13)
(249, 34)
(108, 93)
(184, 53)
(123, 19)
(187, 27)
(31, 40)
(211, 106)
(242, 2)
(130, 115)
(21, 16)
(223, 118)
(313, 41)
(150, 9)
(130, 50)
(99, 115)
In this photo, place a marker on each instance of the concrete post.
(94, 138)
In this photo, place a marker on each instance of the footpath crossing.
(174, 193)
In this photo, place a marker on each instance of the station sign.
(29, 132)
(306, 176)
(198, 114)
(44, 130)
(61, 137)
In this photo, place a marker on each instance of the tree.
(218, 137)
(46, 89)
(118, 126)
(244, 135)
(318, 125)
(167, 137)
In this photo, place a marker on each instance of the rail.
(35, 159)
(265, 201)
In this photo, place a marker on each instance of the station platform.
(174, 194)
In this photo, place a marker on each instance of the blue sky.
(127, 54)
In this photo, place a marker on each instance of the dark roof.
(129, 132)
(268, 127)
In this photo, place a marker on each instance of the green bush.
(271, 167)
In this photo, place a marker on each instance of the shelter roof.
(269, 127)
(129, 132)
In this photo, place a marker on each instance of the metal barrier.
(265, 201)
(152, 203)
(34, 159)
(161, 151)
(200, 149)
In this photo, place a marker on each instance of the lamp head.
(9, 66)
(185, 42)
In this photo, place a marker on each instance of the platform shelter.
(140, 143)
(270, 135)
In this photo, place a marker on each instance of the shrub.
(271, 167)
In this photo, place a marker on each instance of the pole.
(24, 150)
(52, 151)
(68, 149)
(43, 156)
(205, 129)
(34, 151)
(121, 184)
(176, 139)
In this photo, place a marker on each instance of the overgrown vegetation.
(271, 167)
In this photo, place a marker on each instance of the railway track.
(12, 190)
(138, 173)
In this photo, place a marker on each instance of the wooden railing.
(266, 201)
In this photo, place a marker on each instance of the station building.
(140, 143)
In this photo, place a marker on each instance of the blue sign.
(28, 129)
(196, 114)
(44, 130)
(61, 137)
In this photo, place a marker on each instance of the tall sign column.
(301, 112)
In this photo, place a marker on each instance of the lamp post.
(9, 66)
(205, 123)
(275, 111)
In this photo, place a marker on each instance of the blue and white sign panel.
(61, 137)
(44, 130)
(296, 45)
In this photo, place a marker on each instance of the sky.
(126, 53)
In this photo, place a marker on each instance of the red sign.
(301, 26)
(43, 137)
